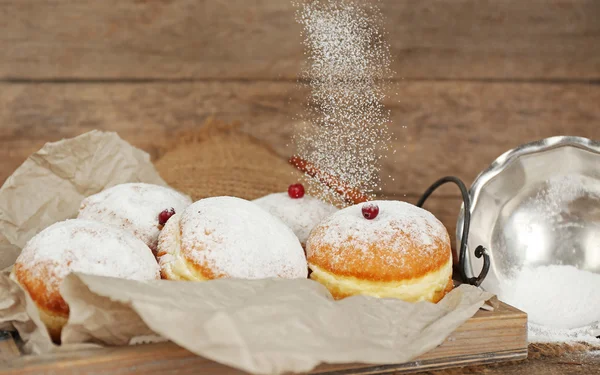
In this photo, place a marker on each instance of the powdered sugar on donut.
(349, 228)
(133, 207)
(88, 247)
(236, 238)
(300, 214)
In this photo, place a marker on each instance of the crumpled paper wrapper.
(269, 326)
(49, 186)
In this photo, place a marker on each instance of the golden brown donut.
(77, 246)
(227, 237)
(404, 252)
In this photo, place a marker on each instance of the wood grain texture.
(174, 360)
(8, 347)
(240, 39)
(581, 363)
(485, 338)
(441, 128)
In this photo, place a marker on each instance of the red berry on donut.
(370, 211)
(296, 191)
(165, 215)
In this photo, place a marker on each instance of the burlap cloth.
(219, 159)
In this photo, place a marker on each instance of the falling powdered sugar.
(344, 132)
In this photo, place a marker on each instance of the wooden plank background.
(474, 78)
(258, 39)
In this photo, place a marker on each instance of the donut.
(298, 211)
(385, 249)
(228, 237)
(83, 246)
(134, 207)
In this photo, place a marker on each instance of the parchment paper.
(267, 326)
(49, 186)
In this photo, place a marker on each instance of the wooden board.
(240, 39)
(486, 338)
(8, 347)
(442, 128)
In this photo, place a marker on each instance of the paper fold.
(49, 186)
(268, 326)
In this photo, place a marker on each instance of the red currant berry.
(296, 191)
(165, 215)
(370, 211)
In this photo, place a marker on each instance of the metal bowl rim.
(503, 161)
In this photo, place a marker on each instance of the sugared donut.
(134, 207)
(83, 246)
(223, 237)
(298, 211)
(403, 252)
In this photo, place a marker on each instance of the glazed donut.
(403, 252)
(134, 207)
(300, 213)
(227, 237)
(83, 246)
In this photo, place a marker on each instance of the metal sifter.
(534, 215)
(536, 205)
